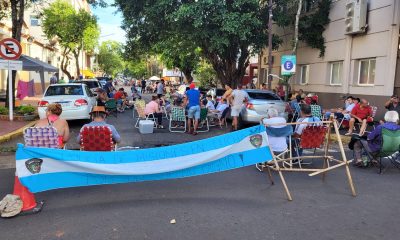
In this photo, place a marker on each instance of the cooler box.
(146, 126)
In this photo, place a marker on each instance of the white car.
(76, 99)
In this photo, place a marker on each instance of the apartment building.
(364, 65)
(35, 44)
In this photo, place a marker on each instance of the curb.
(16, 133)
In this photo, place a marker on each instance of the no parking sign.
(288, 65)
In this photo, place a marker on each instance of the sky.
(110, 21)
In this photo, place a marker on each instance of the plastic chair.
(111, 106)
(97, 138)
(41, 137)
(177, 116)
(390, 146)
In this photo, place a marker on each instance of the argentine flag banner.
(42, 169)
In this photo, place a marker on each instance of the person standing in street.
(192, 102)
(143, 83)
(160, 89)
(393, 104)
(237, 99)
(53, 79)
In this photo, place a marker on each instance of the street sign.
(12, 65)
(10, 49)
(288, 65)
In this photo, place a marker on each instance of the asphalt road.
(238, 204)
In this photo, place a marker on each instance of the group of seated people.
(53, 112)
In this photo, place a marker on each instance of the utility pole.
(269, 44)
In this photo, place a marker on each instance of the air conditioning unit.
(356, 16)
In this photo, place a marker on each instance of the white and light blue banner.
(41, 169)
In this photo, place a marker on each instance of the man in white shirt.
(210, 105)
(237, 100)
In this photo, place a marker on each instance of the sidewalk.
(10, 129)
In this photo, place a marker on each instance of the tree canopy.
(74, 30)
(110, 57)
(227, 32)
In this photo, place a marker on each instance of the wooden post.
(353, 191)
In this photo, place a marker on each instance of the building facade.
(35, 44)
(364, 65)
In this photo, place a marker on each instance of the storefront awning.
(88, 74)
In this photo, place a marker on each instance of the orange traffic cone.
(27, 197)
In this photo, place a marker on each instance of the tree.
(307, 18)
(4, 8)
(74, 31)
(176, 52)
(227, 32)
(206, 75)
(136, 69)
(110, 57)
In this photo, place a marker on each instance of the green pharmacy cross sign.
(288, 65)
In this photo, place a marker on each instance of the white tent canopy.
(154, 78)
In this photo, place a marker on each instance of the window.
(336, 73)
(308, 5)
(305, 69)
(366, 74)
(35, 21)
(263, 96)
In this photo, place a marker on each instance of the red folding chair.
(97, 138)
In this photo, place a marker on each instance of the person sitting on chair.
(277, 144)
(210, 105)
(305, 116)
(342, 112)
(98, 116)
(52, 119)
(373, 143)
(360, 114)
(153, 107)
(102, 97)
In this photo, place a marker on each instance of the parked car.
(76, 100)
(259, 103)
(93, 84)
(257, 106)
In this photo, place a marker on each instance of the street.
(239, 204)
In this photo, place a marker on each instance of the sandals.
(194, 133)
(348, 134)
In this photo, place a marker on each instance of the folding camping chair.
(285, 132)
(143, 116)
(203, 121)
(140, 103)
(111, 107)
(97, 138)
(296, 112)
(390, 147)
(318, 132)
(41, 137)
(316, 111)
(177, 116)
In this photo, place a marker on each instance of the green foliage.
(25, 110)
(312, 22)
(227, 32)
(110, 57)
(3, 110)
(206, 75)
(4, 9)
(136, 69)
(74, 30)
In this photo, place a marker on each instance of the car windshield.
(90, 84)
(263, 96)
(64, 90)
